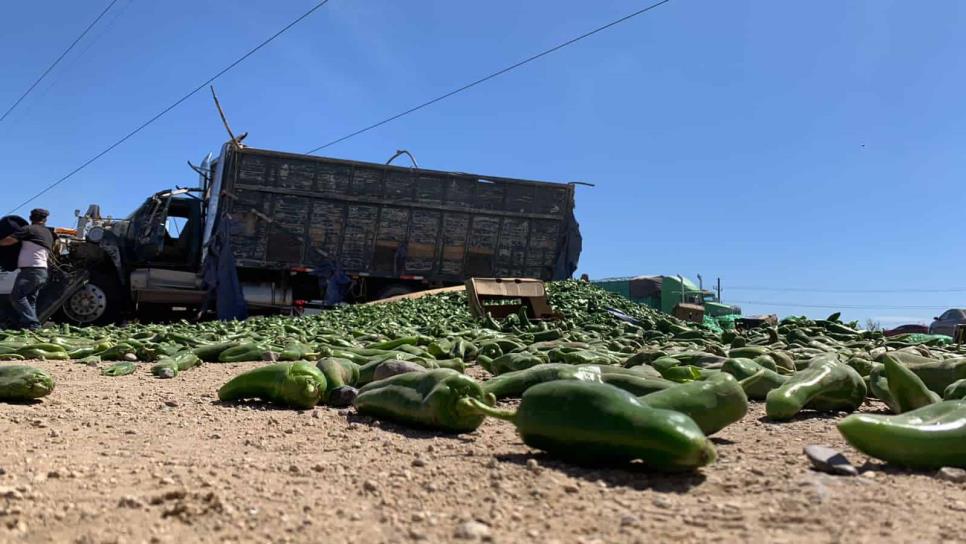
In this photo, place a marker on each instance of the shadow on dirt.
(410, 432)
(633, 475)
(804, 415)
(25, 402)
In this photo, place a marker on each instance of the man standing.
(36, 242)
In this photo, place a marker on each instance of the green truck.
(675, 295)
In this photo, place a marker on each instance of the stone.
(341, 397)
(952, 474)
(830, 461)
(472, 530)
(8, 492)
(130, 501)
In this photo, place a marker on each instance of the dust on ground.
(138, 459)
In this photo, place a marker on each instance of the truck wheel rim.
(86, 305)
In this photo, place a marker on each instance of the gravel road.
(137, 459)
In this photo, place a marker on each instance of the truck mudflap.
(60, 286)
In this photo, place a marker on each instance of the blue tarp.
(220, 276)
(569, 254)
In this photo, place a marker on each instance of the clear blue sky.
(773, 144)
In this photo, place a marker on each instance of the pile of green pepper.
(606, 347)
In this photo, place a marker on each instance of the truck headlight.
(95, 235)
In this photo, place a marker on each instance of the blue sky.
(776, 145)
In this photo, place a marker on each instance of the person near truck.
(35, 243)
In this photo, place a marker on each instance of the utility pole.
(719, 289)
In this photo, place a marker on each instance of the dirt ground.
(137, 459)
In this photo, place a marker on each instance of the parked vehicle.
(675, 295)
(268, 231)
(946, 323)
(907, 329)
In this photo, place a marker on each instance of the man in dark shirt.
(35, 243)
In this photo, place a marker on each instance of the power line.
(488, 77)
(56, 62)
(839, 306)
(177, 103)
(844, 291)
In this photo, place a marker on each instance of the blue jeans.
(23, 297)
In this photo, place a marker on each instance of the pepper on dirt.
(122, 368)
(906, 389)
(514, 384)
(879, 387)
(21, 383)
(435, 399)
(341, 376)
(825, 385)
(169, 367)
(595, 423)
(713, 403)
(933, 436)
(955, 391)
(294, 385)
(758, 388)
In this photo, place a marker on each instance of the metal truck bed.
(292, 211)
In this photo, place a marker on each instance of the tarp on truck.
(220, 276)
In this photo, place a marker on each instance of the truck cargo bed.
(297, 211)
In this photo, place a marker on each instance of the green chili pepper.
(92, 360)
(341, 376)
(37, 353)
(170, 367)
(748, 352)
(758, 388)
(681, 374)
(122, 368)
(825, 385)
(878, 385)
(243, 353)
(955, 391)
(515, 361)
(513, 384)
(930, 437)
(906, 388)
(644, 357)
(119, 352)
(295, 385)
(636, 385)
(713, 404)
(938, 375)
(20, 383)
(209, 352)
(598, 423)
(436, 399)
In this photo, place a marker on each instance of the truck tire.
(98, 302)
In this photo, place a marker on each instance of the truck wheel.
(96, 303)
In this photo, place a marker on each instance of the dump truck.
(675, 295)
(269, 231)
